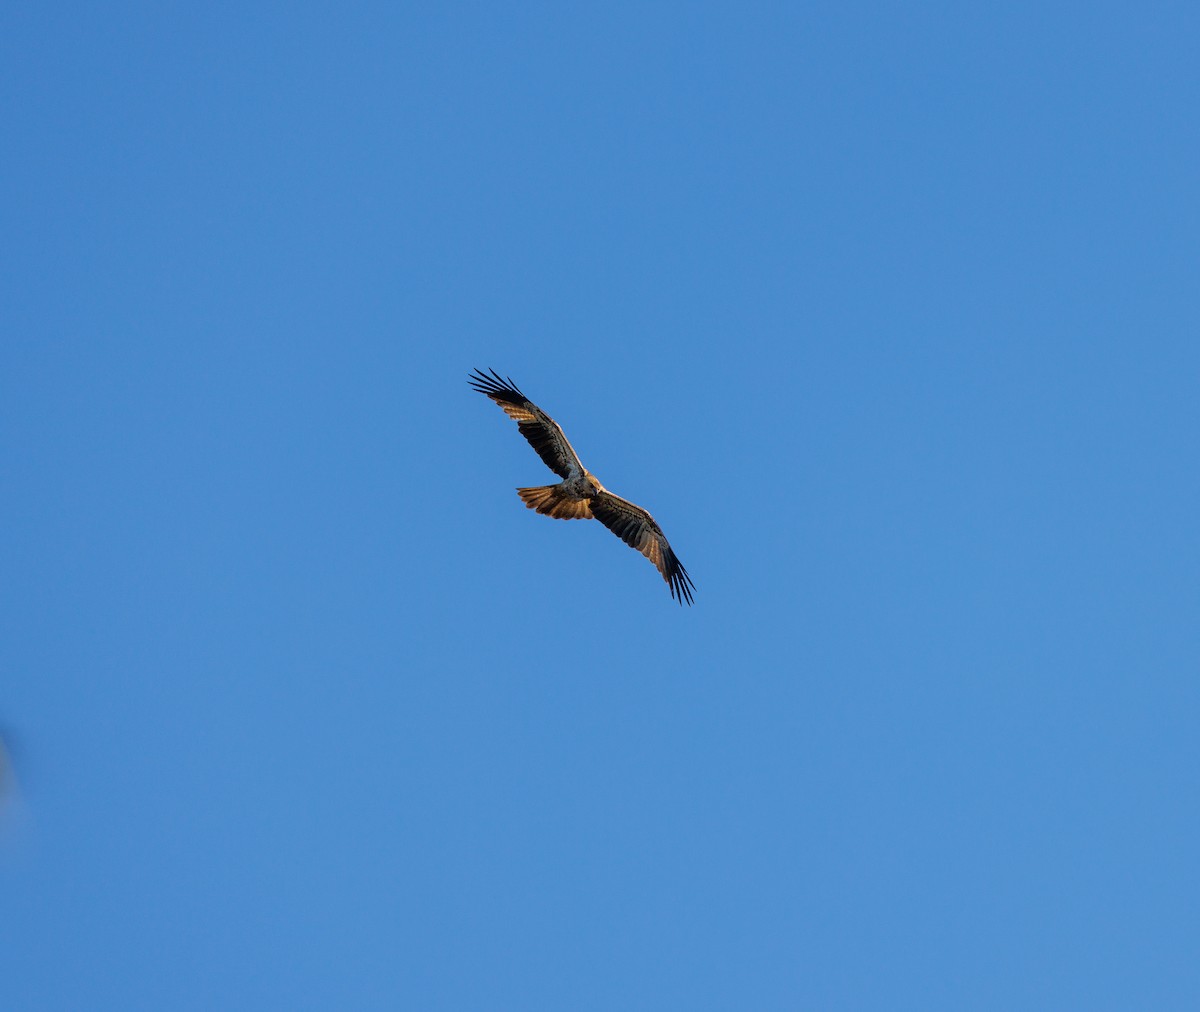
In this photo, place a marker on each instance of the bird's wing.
(637, 528)
(542, 431)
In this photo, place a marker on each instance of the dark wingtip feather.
(680, 583)
(495, 386)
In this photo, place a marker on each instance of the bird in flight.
(580, 496)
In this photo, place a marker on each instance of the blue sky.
(887, 312)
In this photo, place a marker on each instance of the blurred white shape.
(11, 805)
(7, 777)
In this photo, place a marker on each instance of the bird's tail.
(555, 501)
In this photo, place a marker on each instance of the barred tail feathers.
(555, 501)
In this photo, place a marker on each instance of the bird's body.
(580, 496)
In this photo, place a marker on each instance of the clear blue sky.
(888, 312)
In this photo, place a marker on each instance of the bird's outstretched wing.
(637, 528)
(542, 431)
